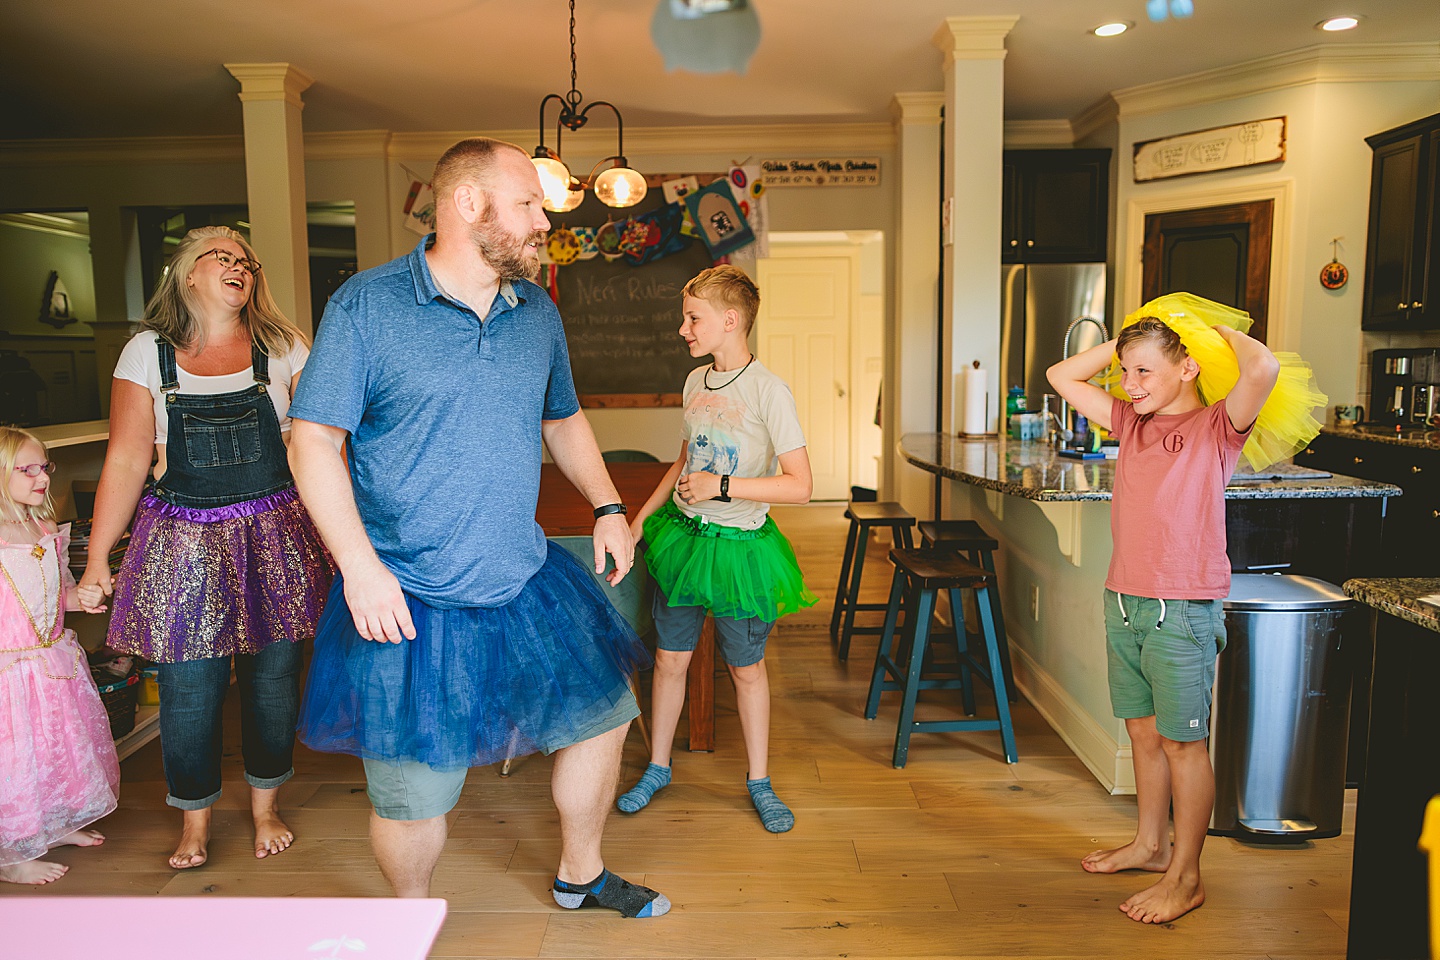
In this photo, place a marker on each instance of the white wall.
(26, 258)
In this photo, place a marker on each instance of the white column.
(974, 49)
(910, 373)
(275, 180)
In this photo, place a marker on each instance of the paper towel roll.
(975, 393)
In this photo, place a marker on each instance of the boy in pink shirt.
(1164, 622)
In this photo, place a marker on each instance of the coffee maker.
(1405, 387)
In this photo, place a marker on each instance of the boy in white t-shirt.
(710, 543)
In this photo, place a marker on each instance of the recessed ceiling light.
(1338, 23)
(1112, 29)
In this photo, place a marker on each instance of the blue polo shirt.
(443, 413)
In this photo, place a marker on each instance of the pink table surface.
(217, 928)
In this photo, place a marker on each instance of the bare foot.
(1132, 856)
(33, 871)
(194, 838)
(81, 838)
(271, 835)
(1168, 898)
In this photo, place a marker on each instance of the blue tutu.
(477, 684)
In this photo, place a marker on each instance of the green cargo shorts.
(1162, 661)
(411, 790)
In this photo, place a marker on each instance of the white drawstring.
(1120, 601)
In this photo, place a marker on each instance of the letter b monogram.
(1174, 443)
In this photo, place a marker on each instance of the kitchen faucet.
(1064, 416)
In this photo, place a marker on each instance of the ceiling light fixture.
(1112, 29)
(1338, 23)
(615, 186)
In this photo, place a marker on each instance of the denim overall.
(222, 449)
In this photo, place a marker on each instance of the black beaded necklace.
(706, 376)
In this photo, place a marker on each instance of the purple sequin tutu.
(213, 582)
(477, 684)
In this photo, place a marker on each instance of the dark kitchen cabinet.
(1412, 522)
(1055, 206)
(1402, 262)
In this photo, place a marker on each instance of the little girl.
(58, 771)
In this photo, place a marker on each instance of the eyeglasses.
(35, 469)
(228, 260)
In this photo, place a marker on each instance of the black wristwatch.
(608, 509)
(724, 489)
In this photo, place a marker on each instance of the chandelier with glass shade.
(615, 185)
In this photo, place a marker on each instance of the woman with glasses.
(223, 560)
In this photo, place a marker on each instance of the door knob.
(1359, 459)
(1014, 243)
(1401, 305)
(1416, 305)
(1029, 243)
(1415, 469)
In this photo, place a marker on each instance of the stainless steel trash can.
(1281, 711)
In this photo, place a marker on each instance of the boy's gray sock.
(637, 797)
(774, 815)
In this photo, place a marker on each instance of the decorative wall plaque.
(831, 172)
(1219, 148)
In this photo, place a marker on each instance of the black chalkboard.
(622, 322)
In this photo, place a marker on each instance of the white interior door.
(803, 335)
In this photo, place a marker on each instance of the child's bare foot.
(1132, 856)
(81, 838)
(1168, 898)
(33, 871)
(194, 838)
(271, 835)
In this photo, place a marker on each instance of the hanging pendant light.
(617, 186)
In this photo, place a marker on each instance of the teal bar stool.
(864, 517)
(900, 659)
(968, 538)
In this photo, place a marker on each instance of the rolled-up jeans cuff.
(269, 783)
(179, 804)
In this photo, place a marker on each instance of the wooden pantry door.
(1221, 253)
(803, 335)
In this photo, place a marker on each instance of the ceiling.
(97, 68)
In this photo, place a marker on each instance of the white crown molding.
(1099, 114)
(736, 140)
(1350, 63)
(271, 81)
(348, 145)
(41, 223)
(921, 108)
(1038, 133)
(973, 38)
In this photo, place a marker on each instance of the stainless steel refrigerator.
(1038, 302)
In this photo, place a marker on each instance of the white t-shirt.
(740, 426)
(140, 363)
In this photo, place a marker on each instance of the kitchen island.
(1052, 517)
(1388, 901)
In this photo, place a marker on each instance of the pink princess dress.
(58, 771)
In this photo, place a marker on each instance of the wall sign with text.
(830, 172)
(1219, 148)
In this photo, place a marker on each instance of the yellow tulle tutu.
(1285, 424)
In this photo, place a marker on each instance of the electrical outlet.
(1035, 602)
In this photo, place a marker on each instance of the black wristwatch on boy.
(724, 489)
(609, 508)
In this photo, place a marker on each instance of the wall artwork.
(1218, 148)
(55, 308)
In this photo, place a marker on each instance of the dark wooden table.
(562, 512)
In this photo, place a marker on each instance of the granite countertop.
(1410, 437)
(1400, 598)
(1035, 471)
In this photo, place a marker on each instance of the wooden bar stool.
(899, 661)
(863, 516)
(969, 538)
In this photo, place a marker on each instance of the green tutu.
(728, 571)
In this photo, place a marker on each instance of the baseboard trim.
(1095, 746)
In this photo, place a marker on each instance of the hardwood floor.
(958, 855)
